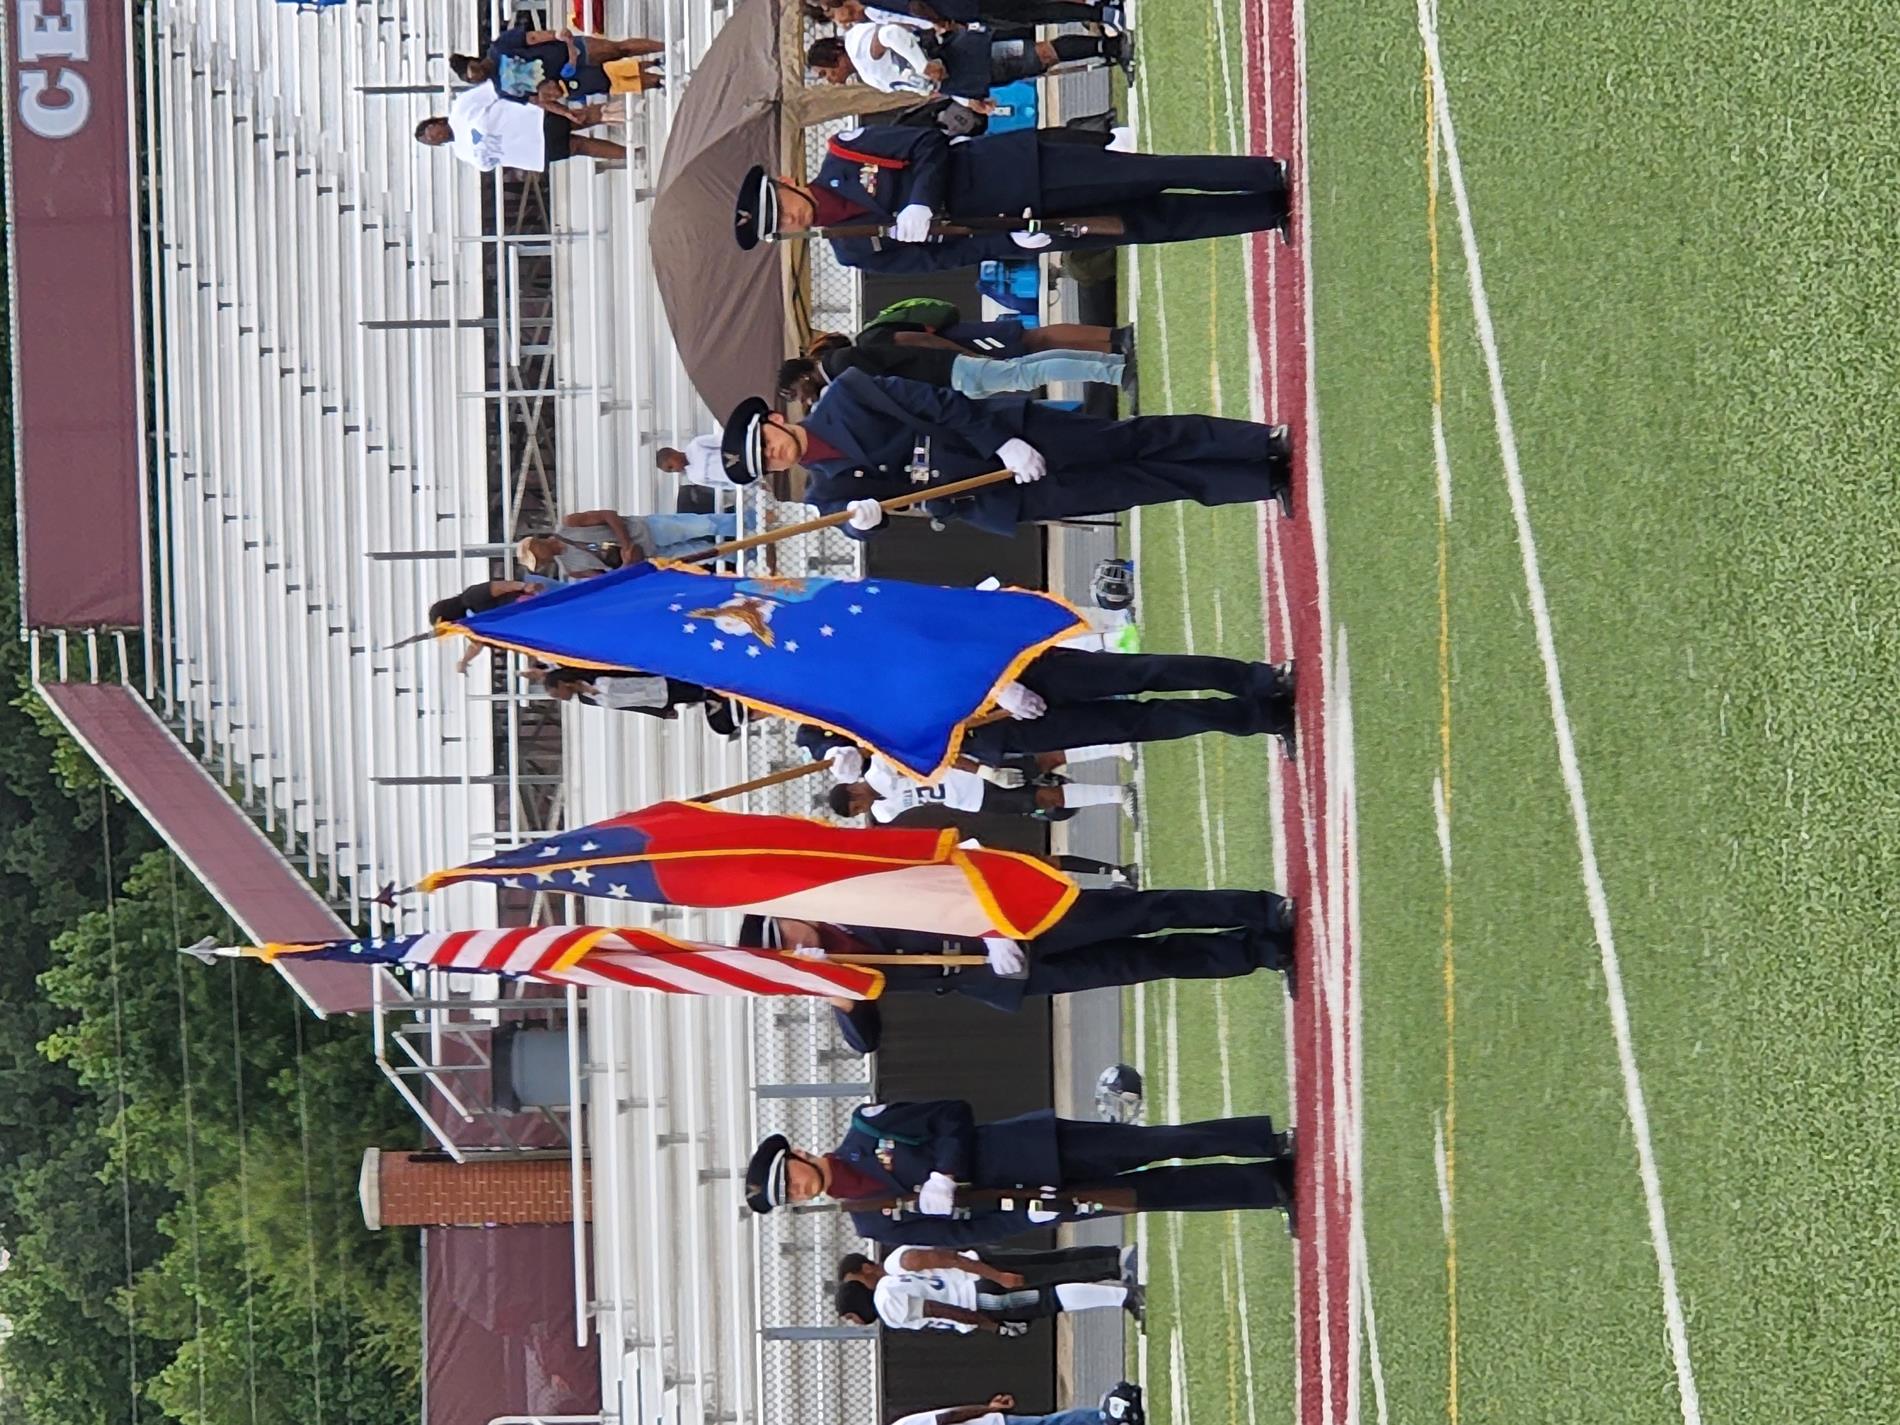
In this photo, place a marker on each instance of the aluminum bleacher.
(374, 367)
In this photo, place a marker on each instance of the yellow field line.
(1435, 344)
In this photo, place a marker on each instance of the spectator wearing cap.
(589, 543)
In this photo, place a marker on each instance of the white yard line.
(1443, 1168)
(1594, 894)
(1441, 817)
(1341, 730)
(1246, 1317)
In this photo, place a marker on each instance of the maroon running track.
(1310, 810)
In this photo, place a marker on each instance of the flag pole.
(927, 960)
(773, 536)
(792, 774)
(770, 779)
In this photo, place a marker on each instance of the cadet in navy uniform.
(1070, 697)
(926, 1150)
(1108, 938)
(874, 438)
(900, 179)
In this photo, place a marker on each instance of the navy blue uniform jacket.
(992, 176)
(977, 982)
(942, 1135)
(879, 425)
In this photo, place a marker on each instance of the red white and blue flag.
(683, 853)
(598, 957)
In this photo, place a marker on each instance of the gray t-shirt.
(583, 544)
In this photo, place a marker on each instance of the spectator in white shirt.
(946, 15)
(940, 1290)
(965, 65)
(700, 464)
(887, 795)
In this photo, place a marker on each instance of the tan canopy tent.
(747, 103)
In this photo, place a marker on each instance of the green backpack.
(931, 312)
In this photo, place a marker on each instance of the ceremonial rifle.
(1082, 1201)
(1096, 225)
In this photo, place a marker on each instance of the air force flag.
(896, 666)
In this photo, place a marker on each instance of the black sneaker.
(1131, 875)
(1123, 1405)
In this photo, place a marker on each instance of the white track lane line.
(1594, 893)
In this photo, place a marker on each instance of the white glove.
(847, 764)
(1006, 956)
(865, 514)
(808, 952)
(1002, 776)
(1023, 460)
(1040, 1215)
(1032, 241)
(1019, 702)
(913, 223)
(938, 1196)
(1012, 1329)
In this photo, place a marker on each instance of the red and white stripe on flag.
(598, 956)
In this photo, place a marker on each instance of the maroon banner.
(75, 346)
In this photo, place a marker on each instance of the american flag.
(597, 956)
(683, 853)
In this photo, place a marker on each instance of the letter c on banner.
(59, 35)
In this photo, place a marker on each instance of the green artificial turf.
(1685, 224)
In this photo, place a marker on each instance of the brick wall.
(426, 1189)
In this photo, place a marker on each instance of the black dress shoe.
(1280, 482)
(1286, 917)
(1285, 226)
(1136, 1305)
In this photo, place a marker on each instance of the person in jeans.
(591, 542)
(830, 354)
(1121, 1406)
